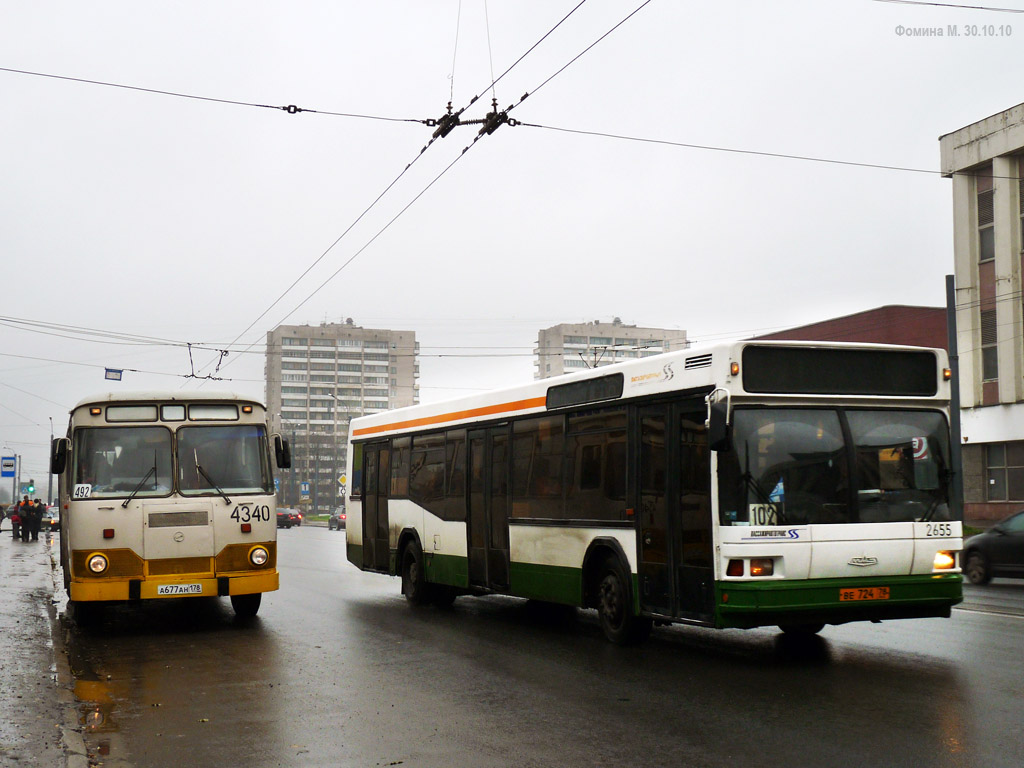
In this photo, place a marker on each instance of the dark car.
(337, 520)
(50, 520)
(999, 551)
(286, 518)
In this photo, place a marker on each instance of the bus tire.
(442, 595)
(414, 579)
(615, 606)
(246, 606)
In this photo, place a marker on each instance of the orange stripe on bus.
(487, 410)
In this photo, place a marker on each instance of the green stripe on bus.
(751, 598)
(446, 569)
(552, 583)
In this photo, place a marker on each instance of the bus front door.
(376, 484)
(674, 497)
(487, 528)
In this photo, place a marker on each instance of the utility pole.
(49, 482)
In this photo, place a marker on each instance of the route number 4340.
(245, 513)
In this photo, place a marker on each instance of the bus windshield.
(800, 466)
(115, 461)
(229, 459)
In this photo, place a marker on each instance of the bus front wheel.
(615, 607)
(414, 580)
(246, 606)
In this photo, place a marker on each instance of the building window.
(322, 343)
(986, 217)
(600, 341)
(574, 340)
(989, 351)
(1005, 471)
(290, 342)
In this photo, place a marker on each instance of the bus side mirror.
(719, 431)
(282, 452)
(58, 455)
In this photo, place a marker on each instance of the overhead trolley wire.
(290, 108)
(952, 5)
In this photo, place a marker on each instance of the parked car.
(50, 520)
(337, 520)
(999, 551)
(286, 517)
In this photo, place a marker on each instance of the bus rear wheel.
(615, 607)
(246, 606)
(414, 580)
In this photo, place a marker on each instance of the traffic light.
(31, 486)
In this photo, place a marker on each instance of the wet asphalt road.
(337, 670)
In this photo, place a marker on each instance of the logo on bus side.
(665, 374)
(863, 562)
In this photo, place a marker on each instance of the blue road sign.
(8, 465)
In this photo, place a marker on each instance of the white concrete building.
(319, 378)
(986, 163)
(571, 347)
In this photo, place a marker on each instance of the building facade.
(891, 324)
(986, 163)
(319, 378)
(573, 347)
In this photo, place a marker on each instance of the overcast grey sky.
(186, 219)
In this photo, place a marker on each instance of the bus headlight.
(944, 561)
(97, 563)
(762, 566)
(258, 556)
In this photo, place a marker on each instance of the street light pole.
(49, 482)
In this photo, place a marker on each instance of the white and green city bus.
(167, 494)
(738, 485)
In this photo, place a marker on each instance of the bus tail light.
(762, 566)
(735, 568)
(947, 374)
(246, 527)
(97, 563)
(944, 561)
(258, 556)
(108, 533)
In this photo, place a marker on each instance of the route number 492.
(244, 513)
(938, 529)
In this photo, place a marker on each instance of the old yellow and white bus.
(167, 495)
(736, 485)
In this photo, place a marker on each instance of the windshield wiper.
(152, 471)
(210, 480)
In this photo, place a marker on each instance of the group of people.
(26, 518)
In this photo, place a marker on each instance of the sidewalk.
(34, 702)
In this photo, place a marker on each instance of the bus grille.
(697, 361)
(172, 566)
(178, 519)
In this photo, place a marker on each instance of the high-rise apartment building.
(986, 162)
(572, 347)
(319, 378)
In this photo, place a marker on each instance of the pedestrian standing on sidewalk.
(2, 510)
(37, 519)
(25, 510)
(16, 520)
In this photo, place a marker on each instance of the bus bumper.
(179, 586)
(744, 605)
